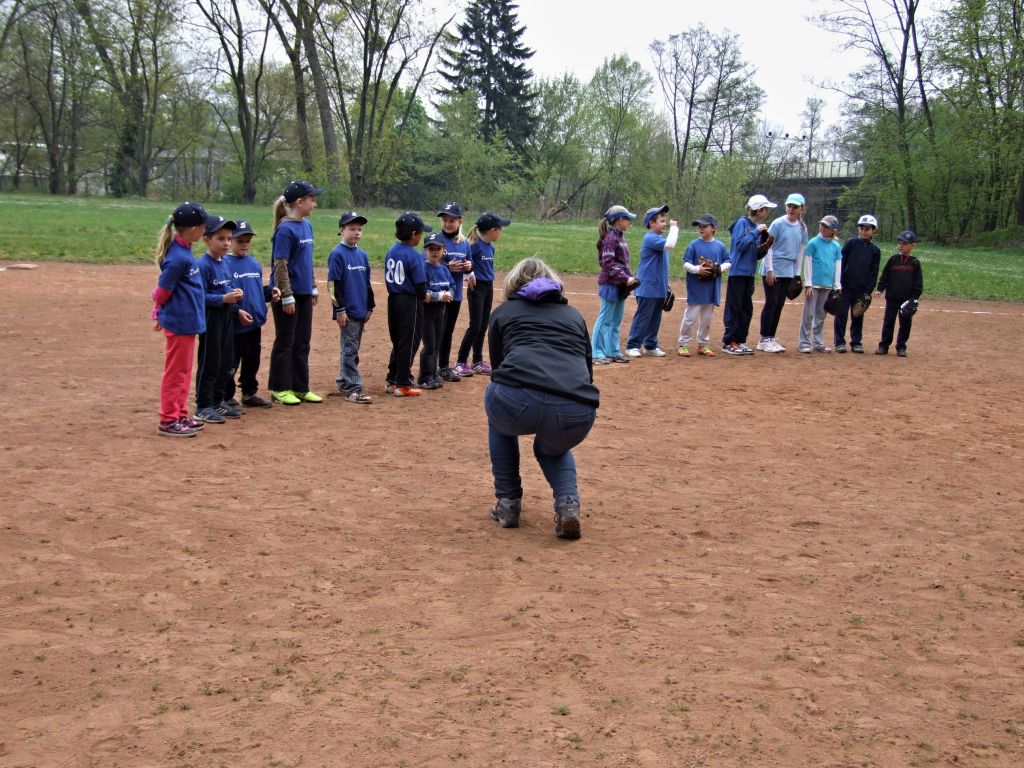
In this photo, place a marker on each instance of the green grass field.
(108, 231)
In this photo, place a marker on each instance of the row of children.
(818, 268)
(221, 300)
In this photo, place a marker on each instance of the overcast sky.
(787, 50)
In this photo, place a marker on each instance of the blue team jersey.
(652, 271)
(825, 255)
(482, 254)
(403, 269)
(247, 274)
(743, 247)
(293, 242)
(700, 291)
(439, 278)
(184, 312)
(217, 279)
(349, 266)
(455, 252)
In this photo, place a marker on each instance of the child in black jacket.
(902, 284)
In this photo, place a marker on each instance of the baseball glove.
(795, 288)
(668, 302)
(908, 308)
(709, 269)
(833, 302)
(860, 306)
(765, 244)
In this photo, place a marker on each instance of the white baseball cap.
(867, 220)
(757, 202)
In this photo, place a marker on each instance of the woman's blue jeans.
(558, 425)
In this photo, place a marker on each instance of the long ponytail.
(473, 236)
(281, 210)
(602, 231)
(163, 241)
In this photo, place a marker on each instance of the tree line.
(387, 103)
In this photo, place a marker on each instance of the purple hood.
(537, 289)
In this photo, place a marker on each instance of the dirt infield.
(823, 569)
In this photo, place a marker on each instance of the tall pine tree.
(488, 56)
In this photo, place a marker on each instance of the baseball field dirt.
(786, 560)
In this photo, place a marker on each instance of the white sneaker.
(805, 350)
(633, 353)
(656, 352)
(770, 345)
(764, 345)
(746, 350)
(776, 347)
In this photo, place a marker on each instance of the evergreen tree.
(488, 56)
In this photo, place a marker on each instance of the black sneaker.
(428, 384)
(210, 415)
(841, 347)
(857, 348)
(229, 411)
(255, 401)
(881, 351)
(567, 518)
(449, 374)
(233, 403)
(506, 512)
(901, 352)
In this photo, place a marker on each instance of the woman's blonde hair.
(525, 271)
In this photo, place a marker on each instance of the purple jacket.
(613, 254)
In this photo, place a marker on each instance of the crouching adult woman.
(542, 384)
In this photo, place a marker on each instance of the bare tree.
(812, 122)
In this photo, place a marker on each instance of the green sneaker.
(285, 397)
(308, 397)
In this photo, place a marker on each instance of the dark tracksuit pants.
(433, 327)
(643, 331)
(739, 309)
(248, 346)
(856, 323)
(774, 301)
(403, 314)
(444, 347)
(216, 355)
(480, 299)
(892, 311)
(289, 358)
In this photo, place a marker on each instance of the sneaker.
(229, 411)
(746, 350)
(190, 423)
(463, 370)
(407, 392)
(805, 350)
(211, 415)
(482, 369)
(438, 381)
(733, 349)
(764, 345)
(770, 345)
(776, 347)
(822, 348)
(620, 359)
(175, 429)
(285, 397)
(428, 384)
(841, 347)
(656, 352)
(233, 403)
(389, 388)
(901, 352)
(255, 401)
(633, 352)
(506, 512)
(882, 350)
(358, 396)
(309, 397)
(449, 374)
(567, 518)
(602, 361)
(705, 351)
(684, 351)
(857, 348)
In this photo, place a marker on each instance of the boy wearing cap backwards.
(859, 274)
(216, 349)
(703, 291)
(348, 281)
(781, 266)
(439, 296)
(901, 282)
(406, 282)
(748, 233)
(248, 323)
(822, 275)
(652, 272)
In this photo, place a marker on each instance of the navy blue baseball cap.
(434, 238)
(907, 236)
(189, 215)
(217, 223)
(451, 209)
(652, 212)
(242, 227)
(705, 220)
(298, 189)
(410, 223)
(350, 217)
(489, 220)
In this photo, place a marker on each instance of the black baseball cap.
(217, 223)
(298, 189)
(410, 223)
(907, 236)
(242, 227)
(350, 217)
(705, 220)
(434, 238)
(490, 220)
(451, 209)
(189, 215)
